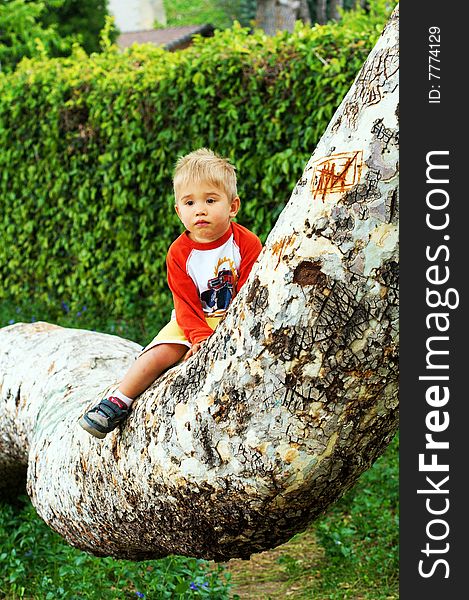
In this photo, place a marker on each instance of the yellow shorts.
(173, 334)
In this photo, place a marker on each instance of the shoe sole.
(87, 427)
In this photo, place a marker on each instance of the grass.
(349, 553)
(219, 13)
(360, 536)
(35, 563)
(196, 12)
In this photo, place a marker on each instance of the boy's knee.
(153, 353)
(164, 353)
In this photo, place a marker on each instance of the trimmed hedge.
(88, 146)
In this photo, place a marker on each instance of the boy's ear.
(235, 206)
(176, 208)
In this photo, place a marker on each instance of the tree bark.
(303, 12)
(334, 6)
(280, 15)
(321, 11)
(290, 400)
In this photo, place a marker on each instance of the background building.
(137, 15)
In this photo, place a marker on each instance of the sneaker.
(104, 417)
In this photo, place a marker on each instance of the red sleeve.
(250, 247)
(189, 313)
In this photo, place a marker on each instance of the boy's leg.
(110, 412)
(149, 366)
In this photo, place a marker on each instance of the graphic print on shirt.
(215, 273)
(221, 288)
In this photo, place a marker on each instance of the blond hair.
(205, 165)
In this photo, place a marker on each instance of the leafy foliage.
(89, 143)
(23, 33)
(32, 29)
(81, 20)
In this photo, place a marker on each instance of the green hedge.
(88, 144)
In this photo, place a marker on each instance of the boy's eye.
(210, 200)
(189, 202)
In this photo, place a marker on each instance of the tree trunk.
(321, 11)
(280, 15)
(334, 6)
(290, 400)
(303, 12)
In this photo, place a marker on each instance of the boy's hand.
(193, 350)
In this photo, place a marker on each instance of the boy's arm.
(250, 247)
(189, 313)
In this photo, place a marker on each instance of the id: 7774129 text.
(434, 94)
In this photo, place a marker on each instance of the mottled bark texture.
(291, 399)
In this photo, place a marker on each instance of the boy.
(206, 267)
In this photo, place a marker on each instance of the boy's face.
(205, 210)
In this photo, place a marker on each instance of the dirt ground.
(279, 573)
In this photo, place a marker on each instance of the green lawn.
(360, 536)
(35, 563)
(199, 12)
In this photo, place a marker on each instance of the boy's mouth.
(201, 222)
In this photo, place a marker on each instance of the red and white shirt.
(204, 278)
